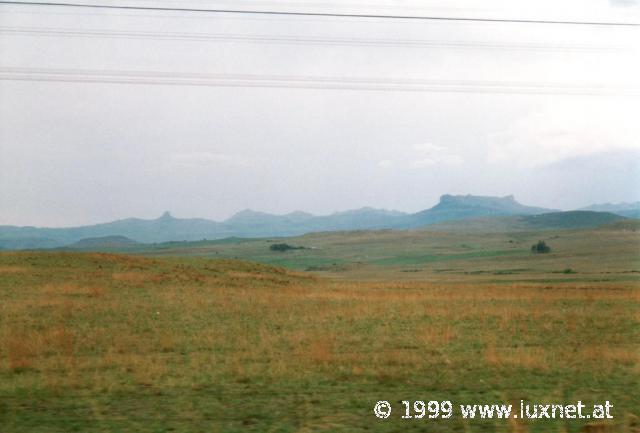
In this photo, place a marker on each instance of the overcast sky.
(77, 153)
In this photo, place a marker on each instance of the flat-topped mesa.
(453, 207)
(447, 200)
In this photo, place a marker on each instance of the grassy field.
(607, 254)
(94, 342)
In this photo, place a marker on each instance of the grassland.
(94, 342)
(607, 254)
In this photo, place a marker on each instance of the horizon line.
(169, 213)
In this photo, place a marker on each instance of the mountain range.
(629, 210)
(248, 223)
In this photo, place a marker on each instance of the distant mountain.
(10, 240)
(157, 230)
(547, 221)
(456, 207)
(629, 210)
(104, 242)
(358, 219)
(249, 223)
(249, 216)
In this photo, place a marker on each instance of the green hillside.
(608, 254)
(546, 221)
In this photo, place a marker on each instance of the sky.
(548, 113)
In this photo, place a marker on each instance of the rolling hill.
(629, 210)
(484, 247)
(103, 243)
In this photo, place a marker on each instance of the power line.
(307, 82)
(294, 40)
(319, 14)
(139, 14)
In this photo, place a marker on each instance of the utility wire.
(318, 14)
(296, 40)
(308, 82)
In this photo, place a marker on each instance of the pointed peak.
(166, 216)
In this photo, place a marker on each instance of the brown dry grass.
(109, 324)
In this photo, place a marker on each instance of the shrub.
(284, 247)
(540, 248)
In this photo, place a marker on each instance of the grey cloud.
(78, 153)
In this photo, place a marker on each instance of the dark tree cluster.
(284, 247)
(541, 248)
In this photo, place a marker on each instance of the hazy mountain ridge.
(249, 223)
(546, 221)
(103, 242)
(629, 210)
